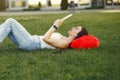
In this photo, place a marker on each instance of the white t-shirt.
(46, 45)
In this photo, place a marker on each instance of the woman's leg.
(16, 32)
(19, 35)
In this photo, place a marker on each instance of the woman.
(51, 40)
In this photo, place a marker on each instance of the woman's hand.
(58, 22)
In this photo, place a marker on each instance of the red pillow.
(86, 41)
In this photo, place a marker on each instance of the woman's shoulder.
(56, 35)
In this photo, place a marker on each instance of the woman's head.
(78, 32)
(82, 32)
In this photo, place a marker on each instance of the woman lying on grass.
(51, 40)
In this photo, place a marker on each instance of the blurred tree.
(2, 5)
(49, 3)
(64, 4)
(39, 5)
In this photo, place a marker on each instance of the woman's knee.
(10, 20)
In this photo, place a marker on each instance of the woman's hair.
(81, 33)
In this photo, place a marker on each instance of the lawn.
(94, 64)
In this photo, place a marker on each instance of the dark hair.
(81, 33)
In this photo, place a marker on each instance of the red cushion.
(86, 41)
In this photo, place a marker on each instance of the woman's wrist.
(58, 22)
(55, 27)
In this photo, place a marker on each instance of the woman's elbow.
(44, 39)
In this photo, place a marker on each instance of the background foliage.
(64, 5)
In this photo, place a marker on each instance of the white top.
(46, 45)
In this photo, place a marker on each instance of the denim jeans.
(19, 35)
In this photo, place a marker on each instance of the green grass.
(94, 64)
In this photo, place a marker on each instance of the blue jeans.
(19, 35)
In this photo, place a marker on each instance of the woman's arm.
(54, 27)
(59, 43)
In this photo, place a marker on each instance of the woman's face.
(74, 31)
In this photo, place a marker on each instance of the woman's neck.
(70, 39)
